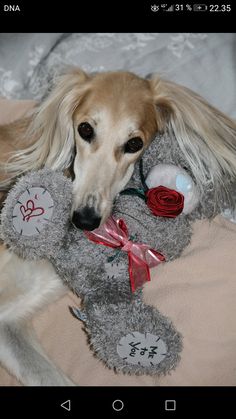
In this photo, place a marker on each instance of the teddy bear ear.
(176, 178)
(35, 213)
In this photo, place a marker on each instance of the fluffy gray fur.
(110, 310)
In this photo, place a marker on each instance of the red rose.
(164, 202)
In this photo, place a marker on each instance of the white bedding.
(204, 62)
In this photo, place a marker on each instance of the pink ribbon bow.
(114, 233)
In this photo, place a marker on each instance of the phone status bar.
(210, 8)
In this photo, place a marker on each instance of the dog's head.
(112, 125)
(100, 125)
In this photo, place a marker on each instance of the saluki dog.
(95, 128)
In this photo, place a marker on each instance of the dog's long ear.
(51, 128)
(205, 135)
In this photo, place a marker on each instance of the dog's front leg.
(21, 354)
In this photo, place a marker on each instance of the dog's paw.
(48, 378)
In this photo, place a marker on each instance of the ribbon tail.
(139, 272)
(158, 255)
(99, 239)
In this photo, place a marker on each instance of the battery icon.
(200, 7)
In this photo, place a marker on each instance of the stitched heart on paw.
(30, 210)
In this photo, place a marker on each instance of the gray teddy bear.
(150, 224)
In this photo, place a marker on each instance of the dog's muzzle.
(86, 218)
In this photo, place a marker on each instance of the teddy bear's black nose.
(86, 218)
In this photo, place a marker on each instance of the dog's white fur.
(119, 106)
(26, 287)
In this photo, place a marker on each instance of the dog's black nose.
(86, 219)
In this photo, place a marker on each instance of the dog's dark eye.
(133, 145)
(86, 131)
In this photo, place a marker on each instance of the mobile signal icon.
(169, 9)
